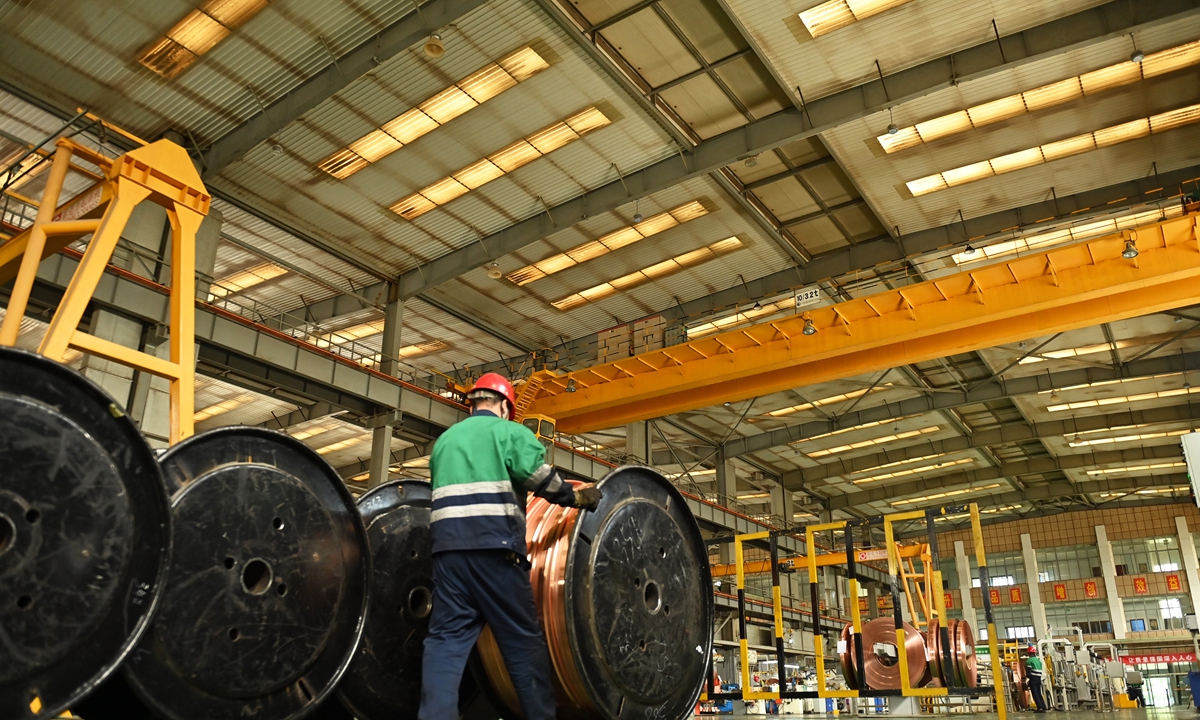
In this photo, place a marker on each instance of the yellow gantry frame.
(777, 610)
(1075, 286)
(894, 570)
(810, 541)
(160, 172)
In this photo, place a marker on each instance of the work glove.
(588, 498)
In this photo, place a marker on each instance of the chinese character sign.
(1060, 591)
(1014, 595)
(948, 598)
(862, 604)
(1163, 658)
(1140, 586)
(994, 596)
(1090, 589)
(1173, 584)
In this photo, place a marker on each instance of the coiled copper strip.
(548, 532)
(848, 668)
(884, 674)
(966, 664)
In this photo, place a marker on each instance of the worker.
(481, 469)
(1034, 669)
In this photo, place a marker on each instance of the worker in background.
(481, 469)
(1034, 670)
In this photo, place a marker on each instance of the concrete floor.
(1180, 712)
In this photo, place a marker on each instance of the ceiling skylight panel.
(836, 14)
(943, 126)
(1053, 94)
(1058, 93)
(1052, 151)
(452, 102)
(409, 126)
(198, 32)
(654, 272)
(1018, 160)
(552, 138)
(609, 242)
(244, 279)
(484, 171)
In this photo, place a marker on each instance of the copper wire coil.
(548, 537)
(846, 640)
(882, 672)
(965, 663)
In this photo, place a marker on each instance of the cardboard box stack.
(615, 344)
(648, 335)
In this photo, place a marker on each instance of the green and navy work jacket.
(482, 467)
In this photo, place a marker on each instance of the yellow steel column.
(184, 224)
(23, 284)
(91, 268)
(981, 559)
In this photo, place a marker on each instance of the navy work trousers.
(471, 588)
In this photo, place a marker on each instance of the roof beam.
(304, 414)
(885, 250)
(1082, 29)
(1003, 435)
(1016, 468)
(950, 399)
(339, 74)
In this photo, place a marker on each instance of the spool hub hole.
(256, 577)
(420, 602)
(652, 596)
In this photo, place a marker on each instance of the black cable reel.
(268, 589)
(85, 536)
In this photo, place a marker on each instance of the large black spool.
(384, 678)
(639, 599)
(266, 595)
(84, 536)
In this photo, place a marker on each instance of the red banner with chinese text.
(1060, 591)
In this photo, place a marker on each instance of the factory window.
(1137, 625)
(1067, 563)
(1024, 632)
(1158, 613)
(1090, 616)
(1147, 555)
(996, 581)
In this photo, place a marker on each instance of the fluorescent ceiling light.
(243, 280)
(197, 33)
(693, 473)
(875, 441)
(948, 493)
(914, 471)
(1049, 152)
(824, 402)
(1141, 397)
(461, 97)
(350, 334)
(501, 162)
(1136, 468)
(666, 268)
(607, 243)
(1129, 438)
(222, 407)
(1064, 91)
(754, 496)
(837, 14)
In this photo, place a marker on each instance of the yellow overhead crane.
(1067, 288)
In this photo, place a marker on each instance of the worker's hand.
(588, 498)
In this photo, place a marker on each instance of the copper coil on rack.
(933, 646)
(845, 642)
(625, 601)
(881, 669)
(966, 665)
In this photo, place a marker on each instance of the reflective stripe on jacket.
(481, 469)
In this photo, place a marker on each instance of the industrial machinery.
(1077, 676)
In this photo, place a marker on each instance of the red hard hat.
(497, 383)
